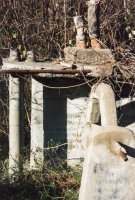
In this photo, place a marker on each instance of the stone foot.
(95, 44)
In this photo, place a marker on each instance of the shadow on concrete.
(55, 110)
(126, 114)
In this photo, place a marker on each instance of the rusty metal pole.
(123, 155)
(38, 71)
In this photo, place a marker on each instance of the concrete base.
(88, 56)
(105, 175)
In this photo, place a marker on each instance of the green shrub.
(47, 182)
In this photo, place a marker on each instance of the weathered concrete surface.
(16, 122)
(88, 56)
(96, 71)
(107, 104)
(77, 130)
(37, 131)
(93, 111)
(105, 175)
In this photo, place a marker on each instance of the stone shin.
(93, 23)
(80, 37)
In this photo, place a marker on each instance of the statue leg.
(93, 23)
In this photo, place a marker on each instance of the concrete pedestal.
(88, 56)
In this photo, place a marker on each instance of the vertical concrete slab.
(37, 132)
(65, 118)
(16, 123)
(77, 129)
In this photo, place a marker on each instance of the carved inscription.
(109, 185)
(63, 122)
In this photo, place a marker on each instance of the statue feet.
(95, 44)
